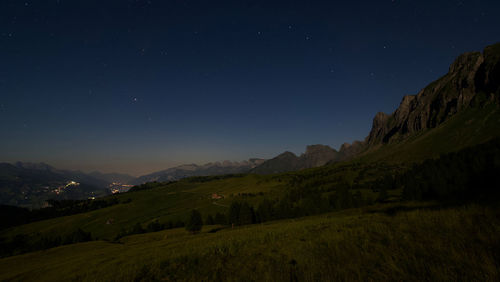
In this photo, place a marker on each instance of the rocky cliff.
(473, 79)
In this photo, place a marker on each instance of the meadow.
(391, 242)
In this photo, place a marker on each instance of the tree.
(155, 226)
(265, 210)
(382, 195)
(343, 198)
(209, 220)
(137, 229)
(234, 213)
(246, 214)
(195, 222)
(220, 218)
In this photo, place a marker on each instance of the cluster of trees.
(194, 222)
(153, 226)
(471, 174)
(294, 204)
(23, 244)
(148, 186)
(13, 216)
(328, 178)
(245, 195)
(219, 219)
(201, 179)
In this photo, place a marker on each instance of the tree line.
(471, 174)
(13, 216)
(21, 244)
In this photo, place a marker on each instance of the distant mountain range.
(31, 184)
(215, 168)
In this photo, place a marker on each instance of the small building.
(216, 196)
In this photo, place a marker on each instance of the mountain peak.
(470, 74)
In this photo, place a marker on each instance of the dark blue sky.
(137, 86)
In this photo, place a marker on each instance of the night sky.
(138, 86)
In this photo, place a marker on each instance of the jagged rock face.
(318, 155)
(473, 78)
(488, 75)
(470, 75)
(378, 129)
(348, 151)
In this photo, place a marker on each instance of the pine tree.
(220, 218)
(209, 220)
(234, 213)
(246, 215)
(195, 222)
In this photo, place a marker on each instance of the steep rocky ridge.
(473, 80)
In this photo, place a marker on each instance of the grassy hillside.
(417, 243)
(174, 201)
(167, 202)
(472, 126)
